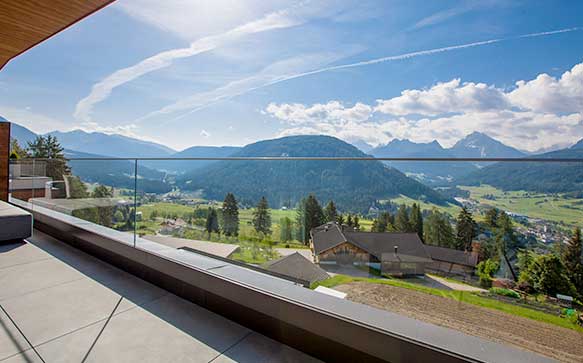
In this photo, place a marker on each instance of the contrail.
(419, 53)
(283, 78)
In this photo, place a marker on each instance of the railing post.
(4, 159)
(135, 200)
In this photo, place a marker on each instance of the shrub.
(485, 270)
(505, 292)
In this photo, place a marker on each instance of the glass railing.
(484, 246)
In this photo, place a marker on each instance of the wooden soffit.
(26, 23)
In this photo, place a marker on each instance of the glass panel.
(93, 191)
(457, 244)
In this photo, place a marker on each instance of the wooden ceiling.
(25, 23)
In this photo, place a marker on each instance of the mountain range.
(352, 184)
(510, 176)
(474, 145)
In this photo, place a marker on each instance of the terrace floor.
(58, 304)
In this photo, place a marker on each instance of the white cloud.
(443, 98)
(541, 113)
(548, 94)
(333, 112)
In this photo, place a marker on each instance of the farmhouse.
(452, 261)
(392, 253)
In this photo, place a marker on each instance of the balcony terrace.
(60, 304)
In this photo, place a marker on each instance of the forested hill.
(353, 185)
(547, 177)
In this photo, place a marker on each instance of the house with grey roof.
(298, 268)
(393, 253)
(451, 261)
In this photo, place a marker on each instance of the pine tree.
(17, 150)
(230, 213)
(356, 222)
(466, 230)
(285, 233)
(48, 148)
(381, 223)
(416, 220)
(491, 217)
(505, 236)
(349, 222)
(212, 222)
(310, 215)
(104, 214)
(340, 219)
(402, 223)
(572, 260)
(262, 217)
(330, 212)
(438, 230)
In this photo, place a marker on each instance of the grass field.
(450, 208)
(551, 207)
(461, 296)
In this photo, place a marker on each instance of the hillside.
(182, 166)
(110, 145)
(532, 176)
(116, 173)
(354, 185)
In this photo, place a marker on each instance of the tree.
(505, 236)
(491, 217)
(16, 151)
(416, 220)
(77, 189)
(349, 221)
(104, 214)
(466, 230)
(285, 233)
(485, 271)
(212, 222)
(379, 224)
(262, 217)
(310, 215)
(438, 230)
(48, 147)
(340, 219)
(572, 260)
(330, 212)
(546, 274)
(230, 213)
(402, 223)
(356, 222)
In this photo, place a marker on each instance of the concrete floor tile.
(19, 253)
(11, 341)
(28, 356)
(257, 348)
(52, 312)
(22, 279)
(166, 330)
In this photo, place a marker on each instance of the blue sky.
(230, 72)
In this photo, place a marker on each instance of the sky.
(231, 72)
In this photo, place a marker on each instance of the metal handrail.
(331, 158)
